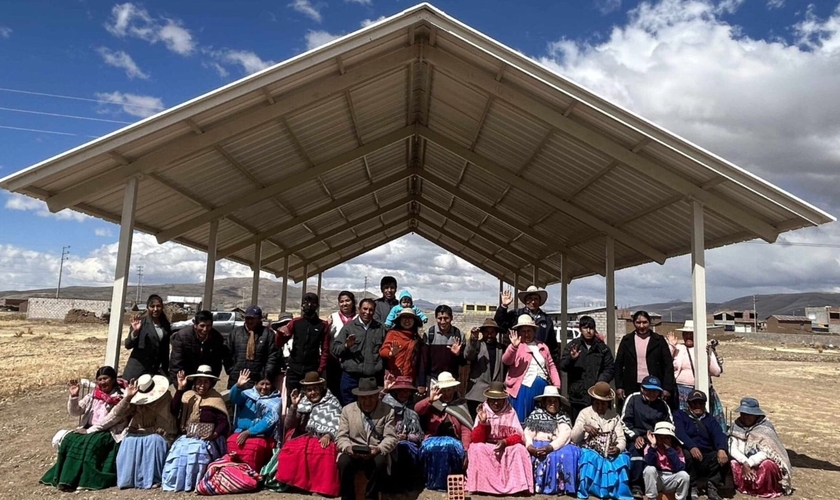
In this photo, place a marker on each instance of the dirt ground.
(796, 385)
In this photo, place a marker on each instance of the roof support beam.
(423, 233)
(513, 223)
(462, 70)
(188, 145)
(365, 249)
(284, 183)
(541, 194)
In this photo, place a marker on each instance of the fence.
(57, 309)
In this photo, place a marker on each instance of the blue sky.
(115, 63)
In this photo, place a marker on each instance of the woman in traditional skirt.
(604, 470)
(530, 367)
(446, 418)
(257, 414)
(204, 421)
(151, 429)
(308, 456)
(87, 455)
(405, 459)
(499, 464)
(548, 432)
(760, 462)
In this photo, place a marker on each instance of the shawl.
(763, 437)
(457, 408)
(409, 420)
(267, 407)
(502, 424)
(541, 421)
(323, 416)
(112, 399)
(193, 403)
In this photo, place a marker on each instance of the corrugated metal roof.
(415, 124)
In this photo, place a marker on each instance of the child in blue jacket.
(405, 302)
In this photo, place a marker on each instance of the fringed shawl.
(323, 416)
(541, 421)
(762, 436)
(502, 424)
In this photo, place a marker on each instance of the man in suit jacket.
(484, 353)
(587, 360)
(366, 437)
(632, 365)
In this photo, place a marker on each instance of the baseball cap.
(253, 312)
(696, 395)
(652, 383)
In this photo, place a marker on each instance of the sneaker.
(637, 492)
(695, 495)
(712, 493)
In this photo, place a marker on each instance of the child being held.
(405, 302)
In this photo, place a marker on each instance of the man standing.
(366, 436)
(384, 304)
(587, 360)
(441, 350)
(484, 353)
(196, 345)
(310, 343)
(357, 347)
(705, 447)
(251, 347)
(533, 298)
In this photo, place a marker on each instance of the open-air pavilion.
(415, 124)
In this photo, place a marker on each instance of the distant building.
(479, 308)
(827, 318)
(735, 321)
(11, 304)
(599, 314)
(780, 323)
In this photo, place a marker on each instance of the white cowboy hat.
(689, 326)
(525, 320)
(203, 371)
(551, 391)
(445, 379)
(151, 388)
(532, 290)
(666, 429)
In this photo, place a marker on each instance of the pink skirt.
(767, 482)
(256, 451)
(505, 474)
(304, 465)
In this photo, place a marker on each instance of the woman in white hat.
(151, 429)
(203, 418)
(530, 367)
(604, 470)
(548, 433)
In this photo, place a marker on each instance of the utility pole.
(366, 285)
(65, 251)
(755, 316)
(139, 284)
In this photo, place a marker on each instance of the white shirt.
(534, 367)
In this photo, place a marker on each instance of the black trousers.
(707, 470)
(376, 472)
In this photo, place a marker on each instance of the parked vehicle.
(572, 332)
(223, 322)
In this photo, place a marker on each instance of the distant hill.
(767, 305)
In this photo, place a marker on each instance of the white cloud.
(308, 9)
(247, 60)
(103, 232)
(120, 59)
(317, 38)
(607, 6)
(23, 203)
(218, 67)
(130, 20)
(775, 4)
(360, 2)
(817, 34)
(367, 22)
(729, 6)
(135, 105)
(5, 32)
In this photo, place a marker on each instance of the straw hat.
(497, 390)
(601, 391)
(551, 391)
(688, 326)
(532, 290)
(367, 387)
(525, 320)
(203, 371)
(407, 311)
(445, 379)
(312, 378)
(490, 323)
(666, 429)
(151, 388)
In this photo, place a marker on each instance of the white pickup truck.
(223, 322)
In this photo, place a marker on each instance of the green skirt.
(269, 475)
(85, 461)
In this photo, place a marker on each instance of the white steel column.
(610, 275)
(285, 283)
(501, 287)
(255, 284)
(564, 318)
(210, 272)
(320, 282)
(534, 277)
(115, 323)
(698, 298)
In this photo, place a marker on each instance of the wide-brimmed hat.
(490, 323)
(367, 387)
(312, 378)
(601, 391)
(525, 320)
(688, 326)
(532, 290)
(750, 407)
(284, 316)
(407, 311)
(550, 391)
(402, 382)
(497, 390)
(151, 388)
(203, 371)
(445, 379)
(652, 383)
(666, 429)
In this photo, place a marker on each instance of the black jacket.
(188, 353)
(640, 415)
(593, 365)
(506, 318)
(362, 359)
(659, 363)
(149, 353)
(265, 355)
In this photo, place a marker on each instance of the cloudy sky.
(754, 81)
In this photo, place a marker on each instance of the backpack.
(226, 475)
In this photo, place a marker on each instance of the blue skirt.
(188, 460)
(524, 403)
(557, 472)
(140, 461)
(601, 477)
(441, 456)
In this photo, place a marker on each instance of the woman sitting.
(446, 418)
(604, 470)
(405, 460)
(499, 464)
(203, 419)
(531, 367)
(257, 414)
(401, 349)
(760, 462)
(308, 457)
(87, 455)
(151, 429)
(548, 433)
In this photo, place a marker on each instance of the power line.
(139, 284)
(65, 251)
(59, 96)
(59, 115)
(46, 131)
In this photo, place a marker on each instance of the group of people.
(313, 402)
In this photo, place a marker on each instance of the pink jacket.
(518, 360)
(683, 373)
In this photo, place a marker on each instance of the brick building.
(780, 323)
